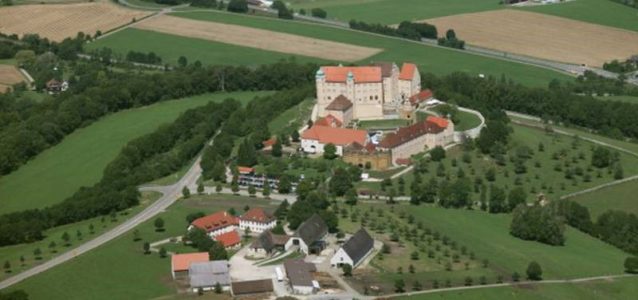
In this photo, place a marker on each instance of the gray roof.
(252, 286)
(312, 229)
(206, 274)
(358, 245)
(386, 68)
(268, 240)
(299, 272)
(341, 103)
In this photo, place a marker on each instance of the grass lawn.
(545, 179)
(100, 225)
(383, 124)
(394, 11)
(628, 99)
(603, 12)
(119, 269)
(292, 119)
(430, 59)
(623, 288)
(80, 158)
(171, 47)
(619, 197)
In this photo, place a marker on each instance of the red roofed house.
(369, 88)
(181, 262)
(229, 239)
(257, 220)
(314, 139)
(245, 170)
(421, 97)
(216, 224)
(328, 121)
(418, 137)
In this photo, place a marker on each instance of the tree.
(534, 271)
(37, 253)
(193, 216)
(351, 197)
(516, 196)
(468, 281)
(234, 187)
(78, 235)
(182, 61)
(7, 266)
(252, 191)
(162, 252)
(219, 187)
(295, 136)
(600, 157)
(159, 224)
(200, 188)
(347, 270)
(278, 229)
(437, 153)
(341, 182)
(146, 247)
(66, 238)
(631, 265)
(330, 151)
(319, 13)
(537, 223)
(186, 192)
(399, 286)
(247, 155)
(265, 191)
(497, 200)
(277, 149)
(218, 288)
(136, 235)
(217, 251)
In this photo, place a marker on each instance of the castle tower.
(322, 99)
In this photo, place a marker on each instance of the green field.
(292, 119)
(603, 12)
(383, 124)
(430, 59)
(80, 158)
(623, 288)
(119, 269)
(619, 197)
(395, 11)
(628, 99)
(171, 47)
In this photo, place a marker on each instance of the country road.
(171, 193)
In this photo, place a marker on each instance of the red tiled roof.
(257, 215)
(245, 170)
(330, 121)
(361, 74)
(229, 239)
(181, 262)
(341, 103)
(269, 142)
(407, 71)
(421, 96)
(441, 122)
(404, 161)
(336, 136)
(215, 221)
(406, 134)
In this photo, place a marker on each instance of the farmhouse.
(309, 236)
(180, 263)
(261, 286)
(314, 140)
(216, 224)
(370, 89)
(300, 276)
(353, 252)
(266, 243)
(257, 220)
(205, 275)
(416, 138)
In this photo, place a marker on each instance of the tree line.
(406, 29)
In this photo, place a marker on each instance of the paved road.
(171, 193)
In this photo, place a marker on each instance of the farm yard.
(59, 21)
(9, 75)
(82, 156)
(257, 38)
(521, 32)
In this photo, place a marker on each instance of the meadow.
(394, 11)
(619, 197)
(80, 158)
(623, 288)
(119, 269)
(430, 59)
(628, 99)
(603, 12)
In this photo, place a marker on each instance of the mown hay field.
(59, 21)
(542, 36)
(9, 75)
(258, 38)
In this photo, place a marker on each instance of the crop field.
(394, 11)
(59, 21)
(619, 197)
(474, 243)
(603, 12)
(430, 59)
(622, 288)
(257, 38)
(522, 32)
(80, 158)
(9, 75)
(120, 270)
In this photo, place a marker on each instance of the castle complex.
(368, 92)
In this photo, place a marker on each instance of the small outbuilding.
(300, 276)
(309, 236)
(354, 251)
(261, 286)
(180, 263)
(206, 275)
